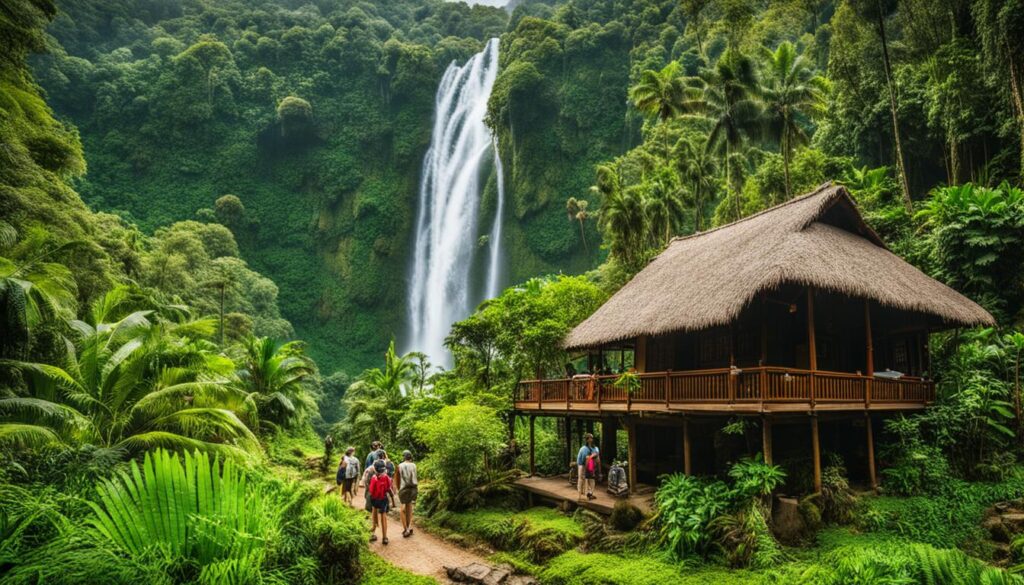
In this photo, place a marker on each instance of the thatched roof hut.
(819, 240)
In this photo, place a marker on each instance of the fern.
(188, 507)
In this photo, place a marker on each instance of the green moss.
(377, 571)
(536, 533)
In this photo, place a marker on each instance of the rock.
(1014, 521)
(787, 523)
(996, 529)
(477, 573)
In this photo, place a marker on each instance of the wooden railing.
(727, 386)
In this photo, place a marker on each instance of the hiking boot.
(385, 541)
(373, 538)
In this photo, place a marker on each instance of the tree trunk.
(785, 158)
(1018, 102)
(583, 237)
(900, 168)
(954, 162)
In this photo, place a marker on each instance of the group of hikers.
(381, 480)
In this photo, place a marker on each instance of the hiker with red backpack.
(588, 462)
(380, 490)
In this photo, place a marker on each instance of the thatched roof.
(818, 240)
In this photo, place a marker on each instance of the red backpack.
(380, 485)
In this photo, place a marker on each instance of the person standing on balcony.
(588, 467)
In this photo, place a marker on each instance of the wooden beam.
(816, 453)
(687, 461)
(631, 430)
(871, 451)
(870, 367)
(766, 438)
(812, 347)
(568, 441)
(640, 354)
(533, 464)
(764, 333)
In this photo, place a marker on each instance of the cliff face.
(317, 120)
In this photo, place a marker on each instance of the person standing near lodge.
(350, 466)
(408, 488)
(380, 491)
(588, 466)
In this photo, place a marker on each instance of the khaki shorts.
(407, 495)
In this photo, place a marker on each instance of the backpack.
(352, 469)
(380, 485)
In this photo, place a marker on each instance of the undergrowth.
(536, 533)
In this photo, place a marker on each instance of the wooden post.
(812, 345)
(687, 461)
(871, 451)
(608, 445)
(816, 453)
(870, 367)
(766, 438)
(732, 362)
(568, 440)
(533, 465)
(631, 430)
(668, 384)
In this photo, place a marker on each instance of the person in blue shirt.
(374, 453)
(588, 464)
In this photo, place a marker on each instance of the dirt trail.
(422, 553)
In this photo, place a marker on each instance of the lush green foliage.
(537, 533)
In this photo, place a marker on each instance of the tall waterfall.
(442, 288)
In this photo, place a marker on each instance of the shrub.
(686, 505)
(461, 439)
(625, 516)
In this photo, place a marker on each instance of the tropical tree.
(790, 90)
(876, 12)
(377, 401)
(274, 375)
(576, 209)
(663, 206)
(697, 168)
(133, 384)
(621, 218)
(660, 94)
(727, 99)
(32, 288)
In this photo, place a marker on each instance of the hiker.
(375, 448)
(350, 466)
(389, 468)
(380, 489)
(368, 474)
(408, 488)
(588, 467)
(570, 370)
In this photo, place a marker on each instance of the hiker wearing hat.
(588, 463)
(408, 487)
(380, 490)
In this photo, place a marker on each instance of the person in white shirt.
(408, 487)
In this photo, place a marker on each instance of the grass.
(377, 571)
(534, 534)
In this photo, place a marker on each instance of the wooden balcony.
(752, 390)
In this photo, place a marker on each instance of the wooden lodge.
(798, 317)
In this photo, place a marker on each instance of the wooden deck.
(731, 390)
(557, 488)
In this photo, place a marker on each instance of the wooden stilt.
(687, 461)
(533, 466)
(766, 438)
(870, 365)
(812, 344)
(871, 451)
(631, 430)
(816, 453)
(568, 440)
(608, 441)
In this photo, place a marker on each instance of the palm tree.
(663, 206)
(727, 99)
(790, 90)
(133, 384)
(378, 400)
(274, 374)
(621, 217)
(660, 94)
(696, 166)
(32, 289)
(576, 209)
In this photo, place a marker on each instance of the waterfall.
(441, 287)
(494, 268)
